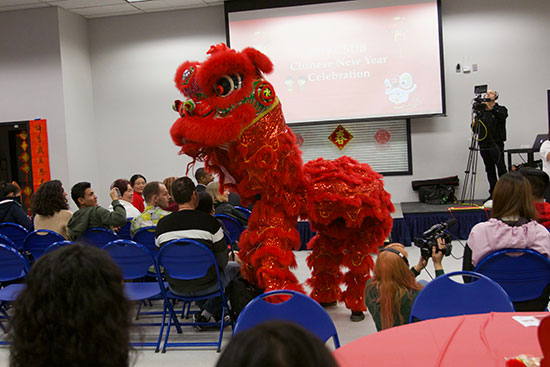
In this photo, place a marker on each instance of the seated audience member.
(206, 204)
(275, 344)
(50, 208)
(222, 205)
(193, 224)
(73, 312)
(89, 214)
(390, 293)
(203, 179)
(172, 205)
(10, 205)
(138, 183)
(539, 184)
(157, 197)
(126, 197)
(512, 225)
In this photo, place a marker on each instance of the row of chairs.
(501, 278)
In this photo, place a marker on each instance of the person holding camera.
(512, 224)
(390, 293)
(492, 135)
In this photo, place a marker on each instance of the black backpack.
(240, 292)
(436, 194)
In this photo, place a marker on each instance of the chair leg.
(161, 327)
(139, 309)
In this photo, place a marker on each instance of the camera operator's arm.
(437, 257)
(418, 267)
(500, 112)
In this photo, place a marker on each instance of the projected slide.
(351, 64)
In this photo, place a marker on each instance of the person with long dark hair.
(72, 312)
(50, 208)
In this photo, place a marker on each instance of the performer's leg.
(324, 262)
(359, 263)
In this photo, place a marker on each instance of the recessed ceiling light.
(136, 1)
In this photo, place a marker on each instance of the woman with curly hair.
(72, 312)
(50, 208)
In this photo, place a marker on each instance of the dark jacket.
(224, 207)
(96, 216)
(12, 211)
(494, 121)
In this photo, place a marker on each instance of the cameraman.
(390, 293)
(492, 135)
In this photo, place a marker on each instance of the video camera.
(429, 239)
(477, 102)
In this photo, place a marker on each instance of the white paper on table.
(529, 320)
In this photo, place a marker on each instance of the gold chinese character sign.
(340, 137)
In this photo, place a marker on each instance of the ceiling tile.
(5, 3)
(106, 11)
(25, 6)
(185, 3)
(153, 5)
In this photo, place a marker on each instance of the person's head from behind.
(203, 177)
(393, 279)
(8, 190)
(138, 182)
(274, 344)
(213, 188)
(538, 180)
(83, 195)
(512, 197)
(125, 188)
(168, 181)
(72, 312)
(183, 191)
(49, 198)
(156, 194)
(206, 204)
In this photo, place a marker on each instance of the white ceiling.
(107, 8)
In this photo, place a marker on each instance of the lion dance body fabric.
(233, 121)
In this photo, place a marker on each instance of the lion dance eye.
(227, 84)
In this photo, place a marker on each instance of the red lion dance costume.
(233, 121)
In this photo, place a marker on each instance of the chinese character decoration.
(382, 136)
(340, 137)
(40, 160)
(23, 179)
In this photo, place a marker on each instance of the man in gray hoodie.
(89, 214)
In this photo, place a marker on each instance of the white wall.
(30, 77)
(134, 59)
(509, 42)
(81, 153)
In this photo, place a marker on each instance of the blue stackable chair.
(134, 261)
(38, 241)
(124, 232)
(443, 297)
(299, 309)
(243, 210)
(6, 241)
(234, 228)
(57, 245)
(99, 237)
(146, 237)
(522, 273)
(13, 266)
(188, 259)
(14, 232)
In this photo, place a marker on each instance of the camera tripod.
(469, 186)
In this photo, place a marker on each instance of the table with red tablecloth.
(470, 340)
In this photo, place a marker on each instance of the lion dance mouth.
(233, 121)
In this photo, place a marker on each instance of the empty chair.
(38, 241)
(299, 308)
(57, 245)
(124, 232)
(6, 241)
(13, 266)
(234, 228)
(99, 236)
(186, 259)
(523, 273)
(443, 297)
(146, 237)
(14, 232)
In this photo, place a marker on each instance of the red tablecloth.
(471, 340)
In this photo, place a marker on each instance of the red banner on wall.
(40, 160)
